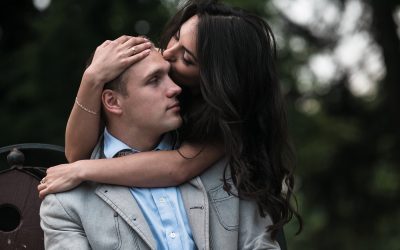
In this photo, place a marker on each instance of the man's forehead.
(154, 55)
(154, 61)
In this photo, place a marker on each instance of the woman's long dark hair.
(242, 104)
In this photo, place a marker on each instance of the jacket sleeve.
(252, 228)
(61, 231)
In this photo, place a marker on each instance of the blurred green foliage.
(347, 146)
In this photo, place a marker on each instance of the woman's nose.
(170, 53)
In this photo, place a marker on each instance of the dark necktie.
(123, 152)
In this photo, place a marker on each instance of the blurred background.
(339, 63)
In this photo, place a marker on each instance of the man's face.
(151, 103)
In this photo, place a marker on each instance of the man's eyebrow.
(154, 72)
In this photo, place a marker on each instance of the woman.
(224, 58)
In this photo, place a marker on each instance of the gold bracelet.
(190, 158)
(84, 108)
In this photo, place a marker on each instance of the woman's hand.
(60, 178)
(112, 57)
(109, 60)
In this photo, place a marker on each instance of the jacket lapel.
(196, 205)
(196, 201)
(121, 200)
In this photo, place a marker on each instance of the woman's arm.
(110, 59)
(146, 169)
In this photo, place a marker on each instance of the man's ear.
(111, 101)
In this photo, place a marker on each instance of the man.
(140, 106)
(101, 216)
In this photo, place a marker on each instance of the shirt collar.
(112, 145)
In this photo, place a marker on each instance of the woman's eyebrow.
(178, 35)
(190, 53)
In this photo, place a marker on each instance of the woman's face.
(181, 53)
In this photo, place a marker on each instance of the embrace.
(188, 143)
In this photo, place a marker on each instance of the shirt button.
(172, 235)
(161, 200)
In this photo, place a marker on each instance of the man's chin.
(176, 124)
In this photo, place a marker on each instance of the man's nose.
(173, 90)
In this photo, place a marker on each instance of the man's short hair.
(117, 84)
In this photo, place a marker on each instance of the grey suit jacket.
(97, 216)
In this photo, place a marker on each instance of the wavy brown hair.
(242, 104)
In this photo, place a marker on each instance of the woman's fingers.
(122, 39)
(41, 186)
(137, 57)
(137, 49)
(135, 40)
(105, 43)
(43, 193)
(135, 45)
(58, 179)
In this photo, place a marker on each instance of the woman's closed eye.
(187, 61)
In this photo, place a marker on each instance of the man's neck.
(137, 139)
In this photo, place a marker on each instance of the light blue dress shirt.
(162, 207)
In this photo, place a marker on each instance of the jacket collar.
(194, 195)
(120, 199)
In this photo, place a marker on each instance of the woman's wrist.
(93, 79)
(79, 170)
